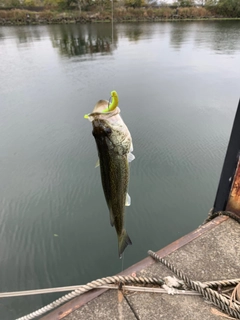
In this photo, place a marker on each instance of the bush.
(134, 3)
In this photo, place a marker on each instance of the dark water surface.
(179, 87)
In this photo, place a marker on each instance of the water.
(178, 85)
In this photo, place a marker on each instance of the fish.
(114, 146)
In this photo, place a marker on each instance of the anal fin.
(111, 218)
(128, 200)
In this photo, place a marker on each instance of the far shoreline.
(89, 19)
(116, 14)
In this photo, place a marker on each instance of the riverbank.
(25, 17)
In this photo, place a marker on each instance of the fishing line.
(122, 260)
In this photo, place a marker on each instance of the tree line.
(225, 8)
(230, 8)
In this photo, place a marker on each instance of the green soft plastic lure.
(113, 105)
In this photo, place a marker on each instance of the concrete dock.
(211, 252)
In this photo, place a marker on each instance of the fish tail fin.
(123, 242)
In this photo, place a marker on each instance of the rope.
(223, 303)
(204, 289)
(212, 215)
(100, 285)
(222, 283)
(89, 286)
(107, 286)
(210, 284)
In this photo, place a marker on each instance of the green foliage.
(134, 3)
(58, 4)
(28, 3)
(127, 9)
(21, 3)
(54, 3)
(226, 8)
(229, 7)
(15, 3)
(211, 3)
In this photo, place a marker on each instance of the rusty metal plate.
(233, 203)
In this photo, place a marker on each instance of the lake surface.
(178, 85)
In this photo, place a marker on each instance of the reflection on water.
(178, 35)
(74, 40)
(77, 40)
(221, 37)
(26, 34)
(134, 32)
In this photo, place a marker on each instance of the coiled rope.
(93, 285)
(222, 302)
(212, 215)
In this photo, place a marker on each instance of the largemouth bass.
(114, 145)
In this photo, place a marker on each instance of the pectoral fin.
(128, 200)
(130, 157)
